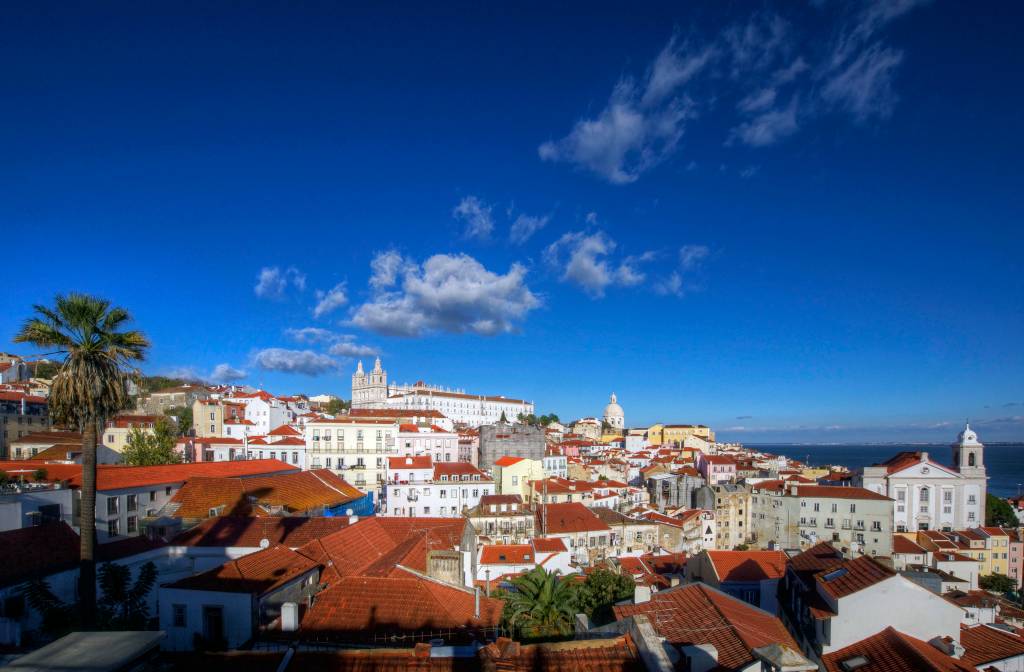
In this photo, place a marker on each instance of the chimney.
(476, 602)
(408, 460)
(641, 594)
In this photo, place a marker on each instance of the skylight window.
(832, 576)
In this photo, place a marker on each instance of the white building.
(613, 414)
(356, 449)
(417, 487)
(439, 444)
(930, 495)
(371, 390)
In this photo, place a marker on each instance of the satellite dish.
(264, 543)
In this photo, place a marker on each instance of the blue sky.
(789, 221)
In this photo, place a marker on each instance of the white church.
(932, 496)
(371, 390)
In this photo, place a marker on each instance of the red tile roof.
(853, 576)
(362, 606)
(542, 545)
(297, 492)
(901, 544)
(985, 644)
(748, 565)
(699, 614)
(239, 531)
(373, 546)
(893, 651)
(35, 552)
(594, 655)
(507, 554)
(258, 573)
(569, 518)
(507, 460)
(411, 462)
(838, 492)
(284, 430)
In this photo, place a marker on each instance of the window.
(133, 503)
(133, 524)
(947, 496)
(180, 615)
(167, 491)
(853, 508)
(152, 495)
(113, 527)
(295, 457)
(112, 506)
(876, 526)
(971, 499)
(924, 495)
(817, 506)
(970, 515)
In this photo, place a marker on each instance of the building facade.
(930, 495)
(357, 450)
(372, 390)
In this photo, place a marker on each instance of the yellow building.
(677, 434)
(512, 475)
(999, 550)
(655, 434)
(115, 435)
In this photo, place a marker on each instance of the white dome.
(613, 410)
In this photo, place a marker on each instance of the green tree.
(45, 370)
(146, 449)
(999, 513)
(997, 583)
(503, 418)
(600, 591)
(336, 406)
(182, 416)
(123, 605)
(542, 606)
(546, 420)
(39, 475)
(90, 387)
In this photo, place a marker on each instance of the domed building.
(613, 414)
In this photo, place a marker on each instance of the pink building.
(716, 468)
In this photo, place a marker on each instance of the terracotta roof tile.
(985, 644)
(297, 493)
(239, 531)
(748, 565)
(699, 614)
(852, 576)
(507, 554)
(569, 518)
(355, 607)
(257, 573)
(893, 651)
(595, 655)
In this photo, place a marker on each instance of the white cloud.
(448, 293)
(591, 218)
(768, 127)
(311, 335)
(675, 66)
(272, 282)
(330, 300)
(584, 260)
(525, 226)
(864, 85)
(758, 43)
(225, 373)
(476, 215)
(691, 259)
(749, 171)
(628, 137)
(305, 362)
(758, 100)
(183, 373)
(385, 269)
(349, 349)
(691, 256)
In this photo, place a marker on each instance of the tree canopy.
(997, 583)
(999, 513)
(146, 449)
(600, 591)
(542, 606)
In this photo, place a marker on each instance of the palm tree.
(543, 605)
(90, 386)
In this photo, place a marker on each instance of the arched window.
(970, 460)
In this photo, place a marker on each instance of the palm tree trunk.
(87, 522)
